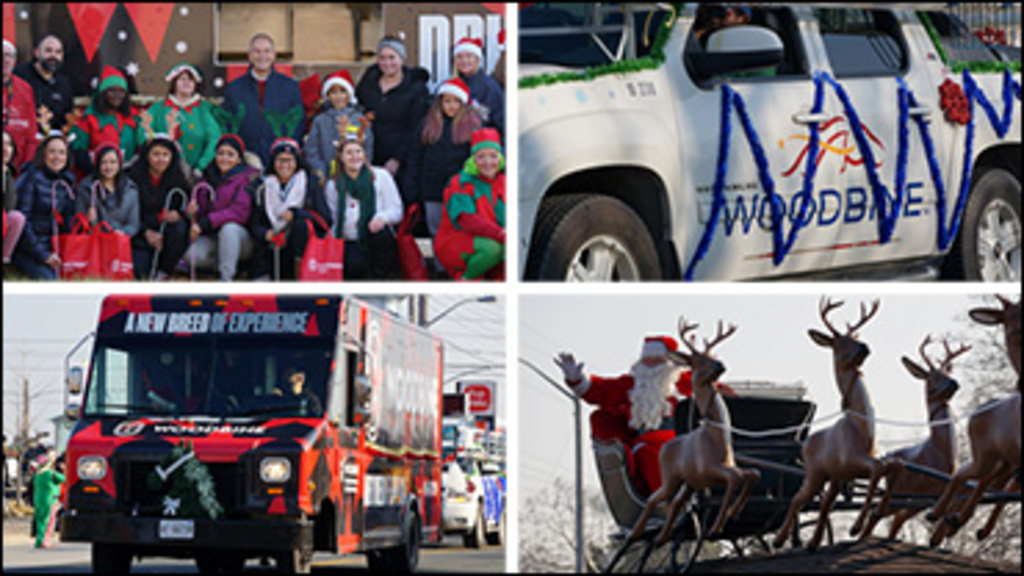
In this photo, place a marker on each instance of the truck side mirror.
(738, 49)
(75, 378)
(73, 412)
(363, 400)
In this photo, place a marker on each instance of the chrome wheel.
(603, 259)
(999, 240)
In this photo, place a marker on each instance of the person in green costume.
(109, 119)
(470, 243)
(45, 496)
(186, 117)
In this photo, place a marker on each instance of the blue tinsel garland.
(888, 210)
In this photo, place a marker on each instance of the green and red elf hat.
(173, 73)
(112, 78)
(483, 139)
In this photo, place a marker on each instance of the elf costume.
(45, 493)
(471, 240)
(198, 129)
(112, 127)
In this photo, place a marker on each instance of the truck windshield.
(218, 377)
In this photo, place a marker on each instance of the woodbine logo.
(136, 428)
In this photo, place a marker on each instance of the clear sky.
(606, 332)
(40, 329)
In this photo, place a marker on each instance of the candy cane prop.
(212, 195)
(163, 226)
(57, 219)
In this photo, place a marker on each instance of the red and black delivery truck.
(238, 427)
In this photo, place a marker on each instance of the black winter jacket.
(431, 166)
(397, 113)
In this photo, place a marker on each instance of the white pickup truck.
(832, 141)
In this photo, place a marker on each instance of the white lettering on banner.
(207, 323)
(438, 34)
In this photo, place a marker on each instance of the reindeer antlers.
(827, 305)
(951, 354)
(686, 327)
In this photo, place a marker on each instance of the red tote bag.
(324, 260)
(115, 253)
(79, 251)
(409, 255)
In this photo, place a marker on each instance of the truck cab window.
(960, 44)
(862, 42)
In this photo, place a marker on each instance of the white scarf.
(278, 202)
(652, 387)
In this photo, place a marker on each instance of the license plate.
(177, 529)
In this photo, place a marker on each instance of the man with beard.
(52, 87)
(633, 407)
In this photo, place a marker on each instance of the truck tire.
(111, 559)
(988, 247)
(497, 538)
(591, 237)
(403, 559)
(220, 562)
(476, 536)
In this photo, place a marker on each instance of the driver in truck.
(295, 388)
(713, 18)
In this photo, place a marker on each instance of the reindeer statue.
(938, 452)
(703, 457)
(847, 450)
(994, 433)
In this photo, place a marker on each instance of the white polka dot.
(95, 82)
(23, 15)
(181, 47)
(218, 82)
(122, 35)
(401, 35)
(183, 11)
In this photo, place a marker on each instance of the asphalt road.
(19, 557)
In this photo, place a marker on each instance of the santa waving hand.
(633, 407)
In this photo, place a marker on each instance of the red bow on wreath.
(954, 103)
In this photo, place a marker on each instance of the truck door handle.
(924, 111)
(808, 118)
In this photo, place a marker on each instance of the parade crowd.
(241, 189)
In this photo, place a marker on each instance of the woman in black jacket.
(284, 200)
(441, 149)
(398, 98)
(163, 237)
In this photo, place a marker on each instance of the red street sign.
(481, 398)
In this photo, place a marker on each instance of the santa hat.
(112, 78)
(9, 44)
(456, 87)
(658, 346)
(172, 74)
(471, 45)
(340, 78)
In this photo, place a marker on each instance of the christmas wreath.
(190, 489)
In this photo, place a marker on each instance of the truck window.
(779, 20)
(862, 42)
(567, 33)
(960, 44)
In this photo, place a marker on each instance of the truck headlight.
(92, 467)
(275, 470)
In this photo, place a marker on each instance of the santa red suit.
(633, 407)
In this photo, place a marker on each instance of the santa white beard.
(652, 387)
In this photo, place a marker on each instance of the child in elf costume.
(186, 116)
(109, 119)
(471, 241)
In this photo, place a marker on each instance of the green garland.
(959, 66)
(651, 62)
(192, 493)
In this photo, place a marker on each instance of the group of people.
(245, 184)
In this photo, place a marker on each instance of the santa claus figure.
(633, 407)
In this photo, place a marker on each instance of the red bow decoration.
(58, 218)
(954, 103)
(278, 240)
(161, 216)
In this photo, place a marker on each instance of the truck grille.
(133, 487)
